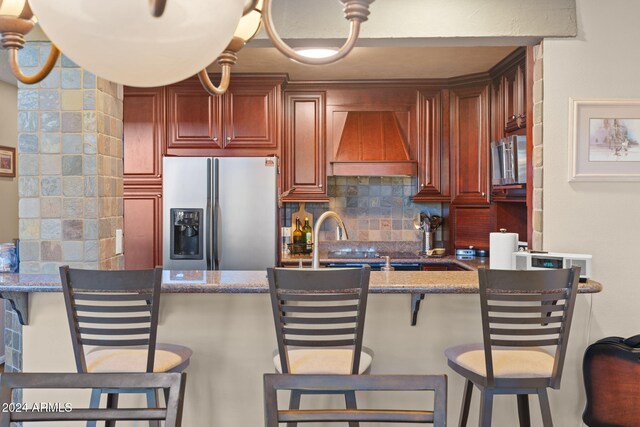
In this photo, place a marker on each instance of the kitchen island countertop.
(393, 282)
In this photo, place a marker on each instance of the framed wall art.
(7, 161)
(604, 140)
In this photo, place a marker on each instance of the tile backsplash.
(373, 208)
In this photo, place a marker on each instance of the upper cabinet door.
(251, 115)
(304, 146)
(433, 147)
(194, 117)
(514, 98)
(144, 134)
(470, 144)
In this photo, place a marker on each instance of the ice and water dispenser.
(187, 233)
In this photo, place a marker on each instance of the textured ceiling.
(377, 63)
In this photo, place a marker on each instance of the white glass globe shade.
(119, 40)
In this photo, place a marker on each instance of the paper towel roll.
(501, 247)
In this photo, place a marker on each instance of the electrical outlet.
(119, 241)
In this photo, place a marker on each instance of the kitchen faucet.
(316, 234)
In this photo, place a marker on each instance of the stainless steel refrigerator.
(219, 213)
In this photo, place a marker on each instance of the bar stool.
(116, 313)
(319, 319)
(353, 383)
(523, 314)
(172, 384)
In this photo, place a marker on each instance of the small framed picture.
(604, 140)
(7, 161)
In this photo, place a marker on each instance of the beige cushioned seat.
(323, 361)
(167, 357)
(508, 362)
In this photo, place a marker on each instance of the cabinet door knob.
(320, 185)
(422, 185)
(215, 139)
(513, 117)
(228, 138)
(484, 194)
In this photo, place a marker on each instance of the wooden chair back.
(527, 309)
(172, 383)
(319, 308)
(112, 309)
(352, 383)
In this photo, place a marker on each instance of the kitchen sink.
(350, 254)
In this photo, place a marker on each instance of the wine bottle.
(308, 232)
(298, 236)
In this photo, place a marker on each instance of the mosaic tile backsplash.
(373, 208)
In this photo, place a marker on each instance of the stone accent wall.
(373, 208)
(70, 174)
(537, 148)
(70, 167)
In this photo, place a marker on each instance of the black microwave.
(509, 161)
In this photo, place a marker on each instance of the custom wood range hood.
(371, 143)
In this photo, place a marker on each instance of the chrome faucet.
(316, 233)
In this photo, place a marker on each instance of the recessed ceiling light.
(317, 52)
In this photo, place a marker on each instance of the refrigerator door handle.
(216, 214)
(208, 217)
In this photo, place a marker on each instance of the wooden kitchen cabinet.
(245, 121)
(469, 108)
(471, 225)
(433, 147)
(143, 135)
(509, 100)
(304, 154)
(142, 227)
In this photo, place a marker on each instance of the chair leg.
(523, 410)
(94, 403)
(545, 408)
(466, 402)
(294, 403)
(152, 402)
(486, 407)
(350, 400)
(112, 403)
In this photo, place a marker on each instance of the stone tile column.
(537, 148)
(70, 174)
(70, 167)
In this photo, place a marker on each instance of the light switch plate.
(119, 242)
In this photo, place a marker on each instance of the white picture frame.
(604, 140)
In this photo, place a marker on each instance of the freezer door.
(245, 209)
(186, 186)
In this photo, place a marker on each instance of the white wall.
(596, 218)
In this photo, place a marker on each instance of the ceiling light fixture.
(16, 20)
(355, 11)
(121, 42)
(317, 52)
(248, 27)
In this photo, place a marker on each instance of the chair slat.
(89, 414)
(525, 308)
(317, 297)
(525, 343)
(526, 320)
(111, 297)
(113, 320)
(319, 343)
(324, 331)
(346, 415)
(114, 343)
(319, 308)
(514, 331)
(560, 295)
(123, 331)
(286, 320)
(112, 308)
